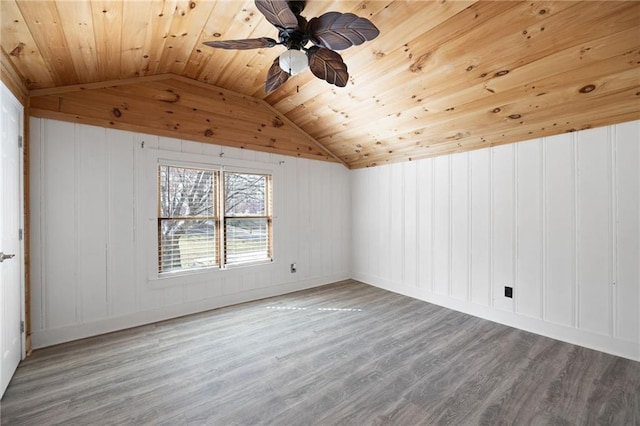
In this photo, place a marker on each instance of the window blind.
(247, 218)
(187, 220)
(212, 218)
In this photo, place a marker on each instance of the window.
(212, 218)
(247, 217)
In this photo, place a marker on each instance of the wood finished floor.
(346, 353)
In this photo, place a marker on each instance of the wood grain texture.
(442, 77)
(178, 107)
(11, 79)
(345, 353)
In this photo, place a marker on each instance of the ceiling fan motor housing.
(295, 38)
(296, 6)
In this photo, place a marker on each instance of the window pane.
(185, 192)
(245, 194)
(187, 244)
(247, 240)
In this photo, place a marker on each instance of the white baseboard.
(602, 343)
(50, 337)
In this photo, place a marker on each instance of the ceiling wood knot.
(419, 64)
(277, 122)
(588, 88)
(208, 133)
(167, 96)
(116, 112)
(17, 50)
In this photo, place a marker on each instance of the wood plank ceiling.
(442, 77)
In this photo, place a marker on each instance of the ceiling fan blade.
(338, 31)
(328, 65)
(249, 43)
(278, 13)
(276, 77)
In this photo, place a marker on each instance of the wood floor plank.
(345, 353)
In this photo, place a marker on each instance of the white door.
(11, 282)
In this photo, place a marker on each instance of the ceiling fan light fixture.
(294, 61)
(328, 32)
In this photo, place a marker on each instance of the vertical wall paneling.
(94, 225)
(515, 235)
(543, 235)
(560, 221)
(397, 236)
(92, 221)
(59, 231)
(442, 225)
(627, 200)
(613, 244)
(529, 231)
(76, 236)
(360, 223)
(325, 207)
(503, 230)
(557, 218)
(147, 207)
(375, 195)
(341, 222)
(315, 216)
(285, 215)
(384, 223)
(304, 196)
(593, 236)
(480, 227)
(460, 226)
(424, 189)
(410, 258)
(36, 235)
(576, 233)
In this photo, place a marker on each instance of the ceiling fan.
(328, 32)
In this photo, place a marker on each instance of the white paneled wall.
(93, 244)
(557, 219)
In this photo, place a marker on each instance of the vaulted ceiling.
(442, 76)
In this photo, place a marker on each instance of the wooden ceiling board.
(21, 47)
(107, 19)
(507, 98)
(136, 21)
(430, 70)
(83, 50)
(45, 27)
(441, 77)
